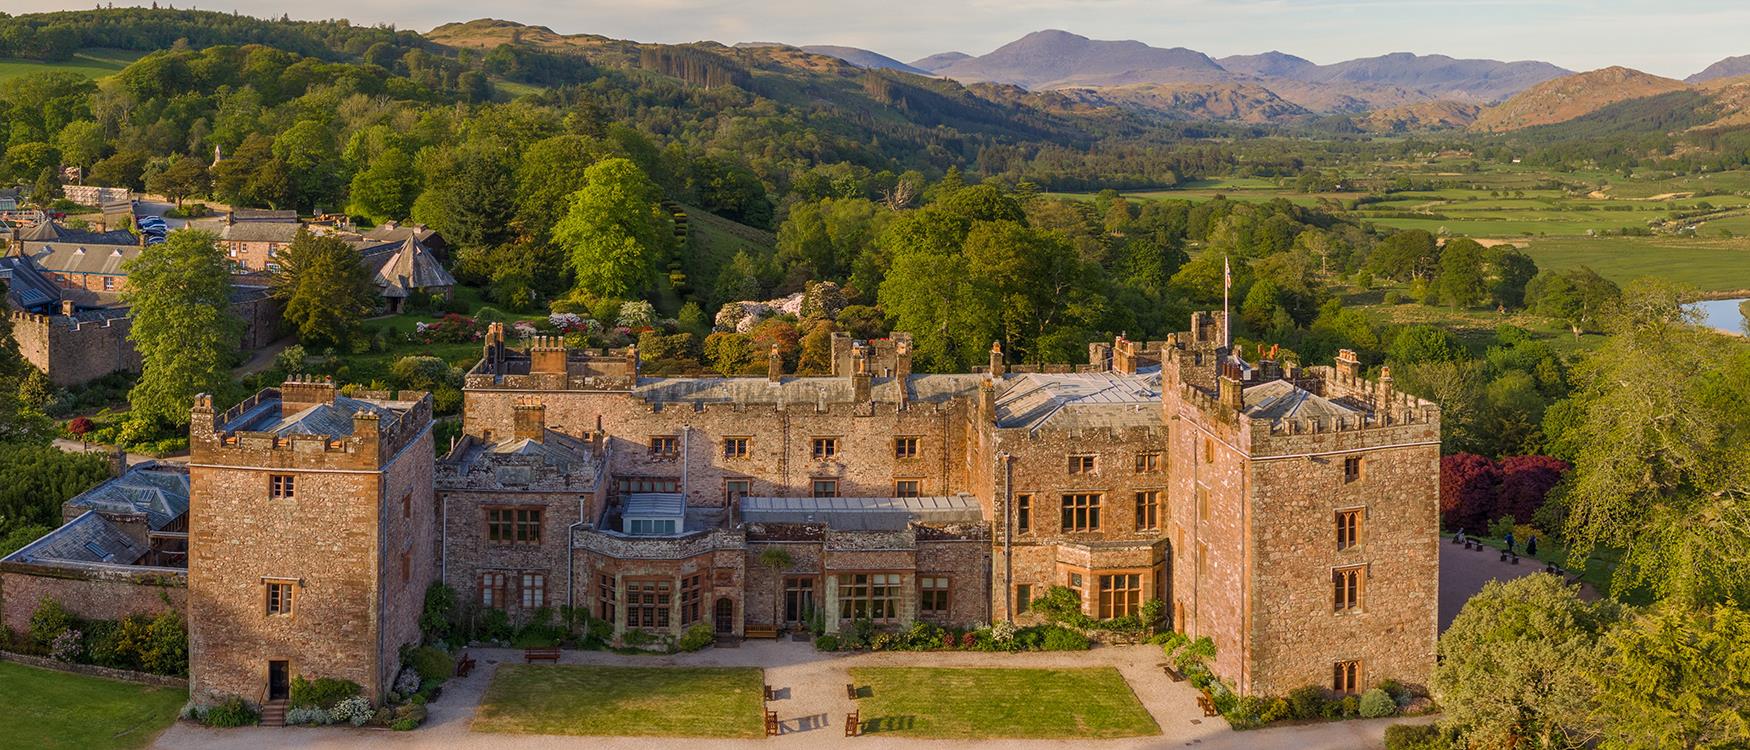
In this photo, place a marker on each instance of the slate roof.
(159, 492)
(411, 268)
(392, 232)
(556, 449)
(1280, 399)
(1090, 399)
(329, 419)
(93, 258)
(862, 513)
(90, 538)
(49, 231)
(26, 288)
(249, 225)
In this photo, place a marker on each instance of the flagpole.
(1227, 282)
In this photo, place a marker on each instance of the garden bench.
(1205, 702)
(1173, 674)
(772, 726)
(464, 665)
(771, 694)
(758, 632)
(850, 691)
(853, 723)
(532, 655)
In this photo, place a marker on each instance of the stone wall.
(72, 352)
(99, 592)
(779, 460)
(1039, 468)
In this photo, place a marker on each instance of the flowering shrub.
(308, 715)
(452, 329)
(407, 683)
(67, 646)
(1002, 633)
(523, 328)
(355, 710)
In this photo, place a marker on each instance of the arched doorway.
(724, 616)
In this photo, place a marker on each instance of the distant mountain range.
(1397, 91)
(1063, 73)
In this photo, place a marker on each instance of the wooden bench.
(1207, 704)
(532, 655)
(850, 691)
(771, 694)
(760, 632)
(772, 726)
(853, 723)
(1173, 674)
(464, 665)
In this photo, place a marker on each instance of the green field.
(91, 63)
(52, 710)
(1082, 704)
(1709, 265)
(623, 701)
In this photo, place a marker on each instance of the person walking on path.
(1531, 546)
(1509, 540)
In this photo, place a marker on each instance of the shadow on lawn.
(889, 724)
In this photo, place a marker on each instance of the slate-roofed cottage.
(253, 236)
(86, 263)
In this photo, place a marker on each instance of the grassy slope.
(623, 701)
(91, 63)
(1710, 265)
(53, 710)
(713, 241)
(1000, 703)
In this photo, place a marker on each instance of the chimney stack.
(902, 370)
(987, 401)
(996, 359)
(1385, 393)
(67, 307)
(1232, 395)
(529, 419)
(862, 381)
(774, 365)
(1348, 365)
(1123, 356)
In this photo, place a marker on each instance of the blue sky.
(1672, 38)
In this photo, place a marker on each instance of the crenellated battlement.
(373, 436)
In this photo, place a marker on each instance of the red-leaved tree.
(1469, 485)
(1525, 482)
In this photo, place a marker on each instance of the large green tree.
(1674, 677)
(385, 190)
(1515, 665)
(616, 231)
(326, 288)
(1663, 466)
(183, 327)
(469, 196)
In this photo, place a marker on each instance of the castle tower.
(1304, 519)
(312, 539)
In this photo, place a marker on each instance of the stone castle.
(1288, 513)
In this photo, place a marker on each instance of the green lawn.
(47, 709)
(91, 63)
(623, 701)
(1094, 703)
